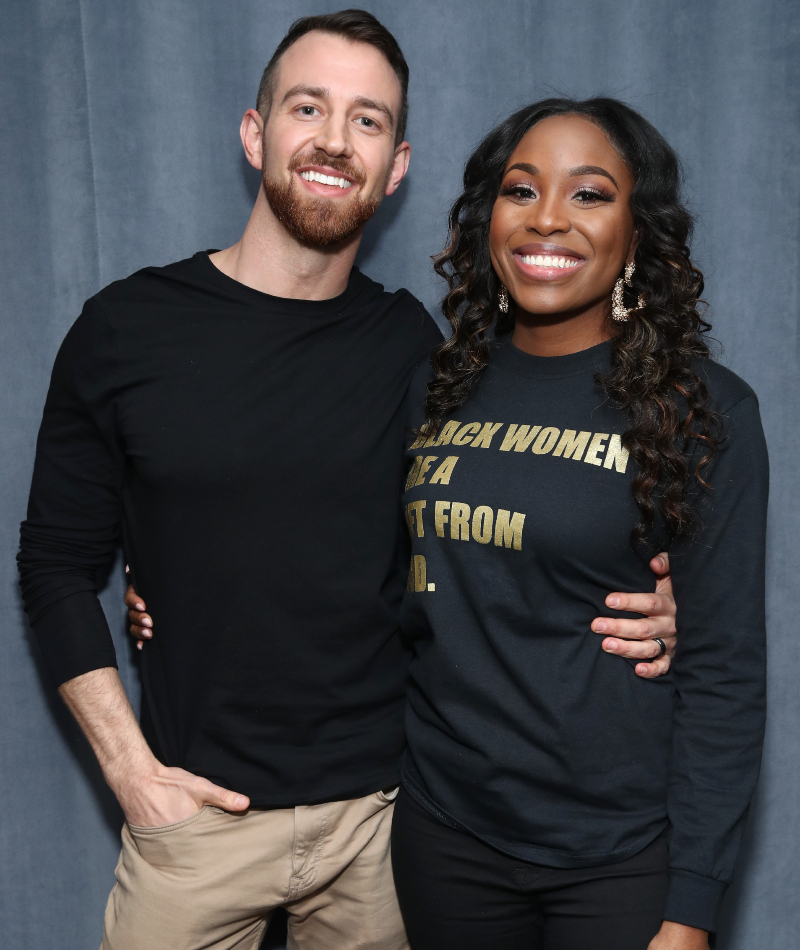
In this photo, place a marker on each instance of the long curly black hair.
(652, 376)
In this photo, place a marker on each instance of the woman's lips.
(551, 266)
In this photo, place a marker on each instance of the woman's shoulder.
(725, 388)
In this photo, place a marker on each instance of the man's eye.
(308, 110)
(367, 122)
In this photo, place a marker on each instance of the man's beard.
(319, 222)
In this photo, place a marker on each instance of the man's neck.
(269, 259)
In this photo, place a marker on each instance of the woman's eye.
(591, 195)
(520, 191)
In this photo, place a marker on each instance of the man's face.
(329, 152)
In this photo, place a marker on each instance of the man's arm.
(633, 639)
(150, 793)
(68, 540)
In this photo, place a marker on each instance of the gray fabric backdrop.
(120, 149)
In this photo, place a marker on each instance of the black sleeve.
(73, 526)
(720, 671)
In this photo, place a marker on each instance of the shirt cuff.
(74, 638)
(694, 900)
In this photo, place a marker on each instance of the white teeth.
(541, 260)
(326, 179)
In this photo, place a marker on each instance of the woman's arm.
(719, 671)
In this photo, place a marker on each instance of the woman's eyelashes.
(585, 195)
(521, 191)
(590, 194)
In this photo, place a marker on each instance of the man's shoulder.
(149, 285)
(405, 311)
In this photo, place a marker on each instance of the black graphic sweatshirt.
(521, 729)
(248, 452)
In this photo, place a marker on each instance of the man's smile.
(325, 181)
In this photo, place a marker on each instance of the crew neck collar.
(356, 283)
(594, 359)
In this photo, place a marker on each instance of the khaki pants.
(212, 881)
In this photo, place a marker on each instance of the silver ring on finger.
(663, 646)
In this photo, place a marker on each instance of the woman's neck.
(558, 334)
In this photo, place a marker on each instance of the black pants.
(457, 893)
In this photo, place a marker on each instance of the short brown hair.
(355, 25)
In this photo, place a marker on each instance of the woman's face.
(561, 228)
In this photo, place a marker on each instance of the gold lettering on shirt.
(518, 438)
(414, 516)
(459, 521)
(447, 432)
(423, 469)
(617, 455)
(440, 517)
(417, 574)
(596, 446)
(420, 439)
(465, 433)
(508, 529)
(484, 437)
(442, 474)
(482, 520)
(545, 441)
(571, 445)
(413, 471)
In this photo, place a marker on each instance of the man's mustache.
(336, 162)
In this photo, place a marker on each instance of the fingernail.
(610, 647)
(240, 801)
(147, 622)
(146, 634)
(600, 626)
(641, 668)
(138, 644)
(612, 601)
(139, 606)
(662, 563)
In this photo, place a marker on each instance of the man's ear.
(402, 156)
(251, 133)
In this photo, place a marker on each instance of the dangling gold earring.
(502, 299)
(619, 311)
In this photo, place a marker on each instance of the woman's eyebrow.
(591, 170)
(524, 167)
(572, 173)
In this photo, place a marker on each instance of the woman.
(551, 798)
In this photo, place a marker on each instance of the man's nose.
(333, 138)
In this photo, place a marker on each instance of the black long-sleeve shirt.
(521, 729)
(248, 452)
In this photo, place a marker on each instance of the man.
(235, 420)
